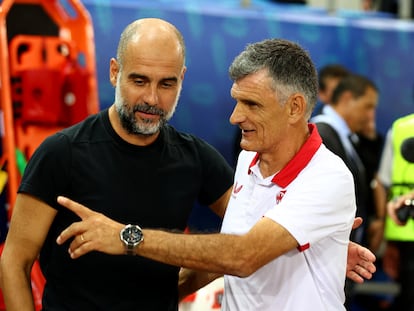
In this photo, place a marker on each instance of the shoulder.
(326, 130)
(329, 162)
(326, 173)
(189, 146)
(84, 128)
(330, 138)
(407, 118)
(174, 137)
(60, 142)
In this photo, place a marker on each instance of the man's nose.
(237, 116)
(151, 95)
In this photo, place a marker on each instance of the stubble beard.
(141, 127)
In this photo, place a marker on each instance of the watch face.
(132, 234)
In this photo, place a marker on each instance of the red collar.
(292, 169)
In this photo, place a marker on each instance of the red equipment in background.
(47, 82)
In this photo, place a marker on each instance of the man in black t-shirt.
(127, 163)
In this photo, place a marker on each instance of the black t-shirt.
(154, 186)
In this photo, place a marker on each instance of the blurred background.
(374, 38)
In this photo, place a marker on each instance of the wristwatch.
(131, 236)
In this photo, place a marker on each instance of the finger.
(357, 222)
(367, 255)
(79, 209)
(72, 231)
(371, 268)
(352, 275)
(363, 272)
(77, 242)
(78, 248)
(368, 266)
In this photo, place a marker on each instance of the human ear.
(183, 72)
(113, 71)
(297, 106)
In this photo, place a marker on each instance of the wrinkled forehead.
(154, 49)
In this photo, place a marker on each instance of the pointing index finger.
(79, 209)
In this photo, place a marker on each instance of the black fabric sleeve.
(217, 174)
(47, 172)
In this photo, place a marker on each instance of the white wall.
(404, 10)
(333, 4)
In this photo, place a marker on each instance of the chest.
(250, 200)
(154, 189)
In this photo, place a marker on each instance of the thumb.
(357, 222)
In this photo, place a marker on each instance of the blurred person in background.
(395, 183)
(353, 105)
(328, 78)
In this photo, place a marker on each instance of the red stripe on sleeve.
(304, 247)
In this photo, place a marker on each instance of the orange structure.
(48, 74)
(47, 82)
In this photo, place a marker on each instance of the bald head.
(151, 33)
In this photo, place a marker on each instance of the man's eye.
(139, 82)
(167, 84)
(251, 104)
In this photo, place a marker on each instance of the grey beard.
(146, 128)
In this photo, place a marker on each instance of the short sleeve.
(47, 171)
(217, 174)
(385, 167)
(317, 206)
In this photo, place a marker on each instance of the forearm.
(238, 255)
(380, 199)
(190, 281)
(17, 291)
(198, 252)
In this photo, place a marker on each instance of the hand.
(360, 263)
(394, 205)
(361, 260)
(95, 232)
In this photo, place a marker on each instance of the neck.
(273, 162)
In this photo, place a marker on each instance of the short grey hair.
(289, 66)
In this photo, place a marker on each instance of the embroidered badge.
(236, 189)
(280, 196)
